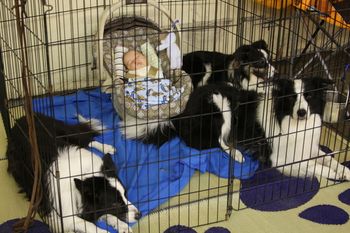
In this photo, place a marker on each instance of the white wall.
(72, 24)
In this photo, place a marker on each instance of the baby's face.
(134, 60)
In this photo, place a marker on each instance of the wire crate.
(70, 46)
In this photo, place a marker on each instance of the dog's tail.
(160, 134)
(94, 124)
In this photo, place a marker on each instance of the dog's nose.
(301, 112)
(138, 215)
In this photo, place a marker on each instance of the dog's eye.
(307, 95)
(292, 98)
(262, 63)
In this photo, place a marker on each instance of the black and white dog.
(87, 188)
(223, 116)
(291, 116)
(246, 67)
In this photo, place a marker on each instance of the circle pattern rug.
(270, 190)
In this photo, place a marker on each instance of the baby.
(145, 83)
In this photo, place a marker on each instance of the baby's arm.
(118, 61)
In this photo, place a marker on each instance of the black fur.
(285, 95)
(250, 134)
(193, 64)
(199, 125)
(244, 57)
(159, 136)
(100, 198)
(108, 168)
(314, 92)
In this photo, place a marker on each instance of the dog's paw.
(109, 149)
(329, 174)
(99, 231)
(343, 173)
(338, 176)
(95, 124)
(122, 227)
(347, 174)
(237, 156)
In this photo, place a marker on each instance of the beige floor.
(13, 205)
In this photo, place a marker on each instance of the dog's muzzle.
(301, 114)
(138, 215)
(261, 73)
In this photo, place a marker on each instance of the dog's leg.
(342, 171)
(235, 154)
(316, 169)
(116, 223)
(94, 123)
(207, 75)
(224, 106)
(76, 224)
(105, 148)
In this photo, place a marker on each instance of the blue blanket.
(150, 174)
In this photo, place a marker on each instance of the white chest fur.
(298, 140)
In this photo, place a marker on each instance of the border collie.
(223, 116)
(77, 185)
(246, 67)
(291, 117)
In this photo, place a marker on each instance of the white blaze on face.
(300, 103)
(271, 70)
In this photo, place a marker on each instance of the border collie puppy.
(223, 116)
(78, 186)
(246, 67)
(291, 116)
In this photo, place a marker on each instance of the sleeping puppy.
(245, 68)
(78, 186)
(292, 113)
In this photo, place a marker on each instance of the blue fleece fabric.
(150, 175)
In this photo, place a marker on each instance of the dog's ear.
(108, 167)
(318, 82)
(326, 83)
(85, 187)
(240, 55)
(79, 184)
(236, 63)
(279, 82)
(260, 44)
